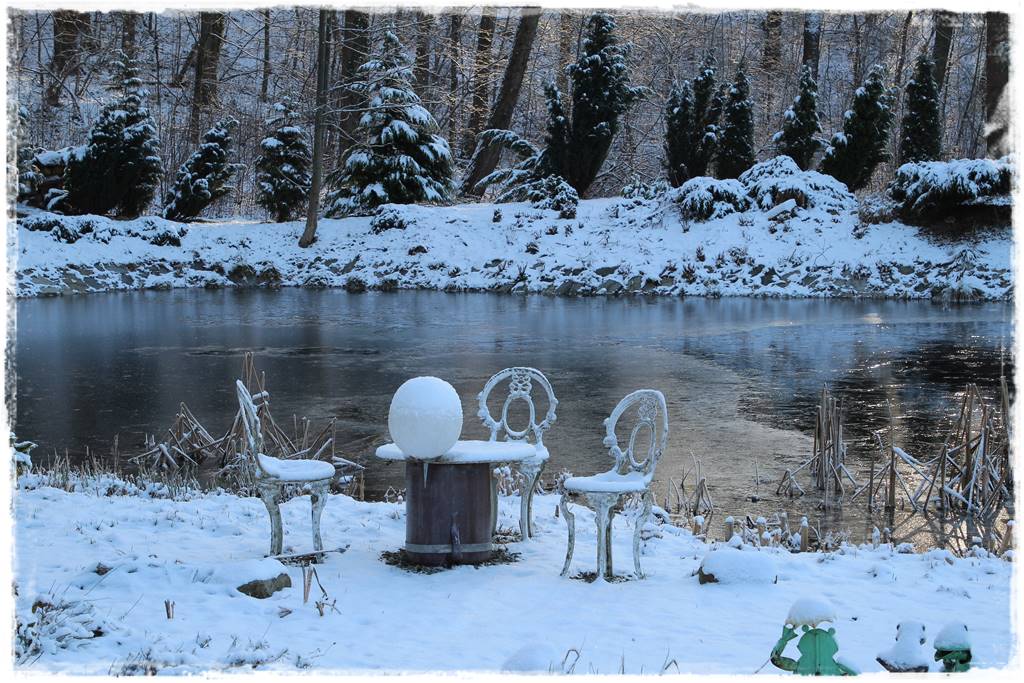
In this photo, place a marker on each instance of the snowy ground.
(612, 246)
(195, 552)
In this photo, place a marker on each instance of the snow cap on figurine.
(425, 419)
(810, 612)
(953, 636)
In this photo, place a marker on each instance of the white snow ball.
(810, 612)
(533, 657)
(425, 419)
(953, 636)
(731, 566)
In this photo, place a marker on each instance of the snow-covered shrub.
(204, 177)
(389, 218)
(157, 232)
(854, 152)
(53, 624)
(554, 194)
(638, 189)
(704, 198)
(730, 565)
(119, 169)
(933, 188)
(776, 180)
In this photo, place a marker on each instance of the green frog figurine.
(817, 646)
(953, 648)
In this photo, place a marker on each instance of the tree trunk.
(421, 69)
(901, 60)
(129, 22)
(568, 28)
(997, 76)
(207, 60)
(66, 58)
(945, 23)
(812, 41)
(479, 86)
(355, 46)
(265, 83)
(322, 58)
(455, 57)
(771, 56)
(484, 161)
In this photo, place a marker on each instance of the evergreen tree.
(736, 145)
(282, 170)
(678, 126)
(853, 154)
(921, 138)
(600, 95)
(119, 168)
(28, 174)
(400, 158)
(204, 177)
(800, 124)
(708, 100)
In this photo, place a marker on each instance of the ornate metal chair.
(630, 475)
(520, 387)
(273, 474)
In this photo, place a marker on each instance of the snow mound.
(953, 636)
(731, 566)
(909, 651)
(778, 180)
(810, 612)
(702, 198)
(532, 657)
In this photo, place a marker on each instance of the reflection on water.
(741, 376)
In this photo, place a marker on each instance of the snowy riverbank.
(114, 559)
(613, 246)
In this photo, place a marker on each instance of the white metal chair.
(520, 387)
(273, 474)
(630, 475)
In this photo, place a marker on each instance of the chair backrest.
(250, 421)
(645, 409)
(520, 387)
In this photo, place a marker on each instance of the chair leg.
(531, 473)
(494, 504)
(268, 494)
(570, 523)
(602, 504)
(608, 543)
(318, 500)
(638, 529)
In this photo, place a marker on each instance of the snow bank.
(729, 565)
(379, 618)
(613, 246)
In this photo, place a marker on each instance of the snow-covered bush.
(853, 153)
(932, 188)
(731, 565)
(554, 194)
(638, 189)
(389, 218)
(53, 624)
(204, 177)
(704, 198)
(776, 180)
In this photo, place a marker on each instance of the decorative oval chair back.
(646, 411)
(521, 382)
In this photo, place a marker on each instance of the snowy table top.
(470, 452)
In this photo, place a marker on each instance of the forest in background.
(201, 67)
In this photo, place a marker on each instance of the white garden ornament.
(425, 419)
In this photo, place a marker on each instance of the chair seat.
(295, 470)
(608, 482)
(540, 453)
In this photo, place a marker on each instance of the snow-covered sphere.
(425, 419)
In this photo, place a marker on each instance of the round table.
(451, 502)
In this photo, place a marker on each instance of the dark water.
(741, 376)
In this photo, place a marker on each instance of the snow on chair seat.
(631, 474)
(520, 388)
(273, 474)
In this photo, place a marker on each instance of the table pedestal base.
(448, 513)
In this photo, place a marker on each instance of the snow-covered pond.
(741, 375)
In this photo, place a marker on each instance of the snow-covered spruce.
(204, 177)
(798, 138)
(196, 551)
(119, 168)
(613, 246)
(855, 152)
(692, 132)
(921, 130)
(400, 158)
(282, 169)
(736, 144)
